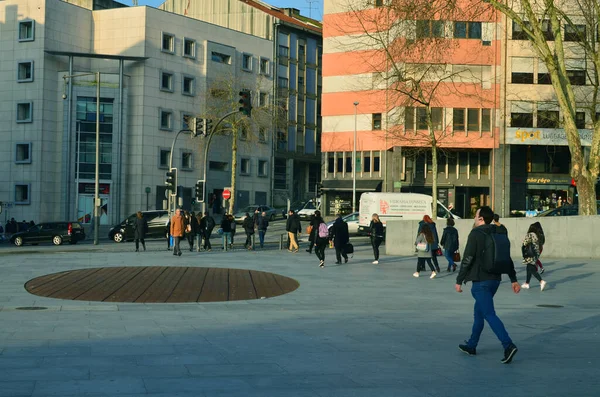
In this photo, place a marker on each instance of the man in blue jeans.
(484, 285)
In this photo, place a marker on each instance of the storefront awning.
(362, 185)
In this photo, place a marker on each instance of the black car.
(54, 232)
(157, 222)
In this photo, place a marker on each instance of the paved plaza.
(349, 330)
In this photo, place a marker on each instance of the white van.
(309, 208)
(389, 206)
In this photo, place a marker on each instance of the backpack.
(496, 253)
(323, 230)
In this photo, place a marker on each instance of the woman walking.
(541, 242)
(424, 242)
(427, 221)
(450, 243)
(311, 230)
(321, 238)
(531, 251)
(191, 229)
(376, 228)
(140, 229)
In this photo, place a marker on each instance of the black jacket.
(226, 225)
(293, 224)
(140, 228)
(376, 229)
(473, 257)
(450, 239)
(195, 226)
(248, 225)
(207, 224)
(263, 223)
(339, 233)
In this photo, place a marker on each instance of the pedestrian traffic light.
(171, 181)
(208, 126)
(246, 102)
(319, 189)
(200, 191)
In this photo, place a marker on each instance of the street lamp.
(354, 161)
(97, 172)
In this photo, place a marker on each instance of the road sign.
(226, 194)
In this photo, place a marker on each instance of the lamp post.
(97, 172)
(354, 160)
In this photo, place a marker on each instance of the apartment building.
(155, 68)
(297, 53)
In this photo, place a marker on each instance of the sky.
(302, 5)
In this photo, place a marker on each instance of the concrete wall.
(566, 237)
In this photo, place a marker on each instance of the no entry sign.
(226, 194)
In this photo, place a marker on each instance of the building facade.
(155, 68)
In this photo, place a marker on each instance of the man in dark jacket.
(248, 226)
(262, 226)
(207, 225)
(484, 284)
(293, 227)
(340, 236)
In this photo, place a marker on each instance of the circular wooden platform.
(154, 284)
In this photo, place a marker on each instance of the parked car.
(296, 206)
(241, 215)
(351, 220)
(157, 221)
(54, 232)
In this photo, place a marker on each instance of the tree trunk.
(234, 147)
(434, 163)
(586, 189)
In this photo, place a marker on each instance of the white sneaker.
(433, 274)
(525, 286)
(416, 274)
(542, 285)
(376, 262)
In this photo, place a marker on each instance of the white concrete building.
(156, 68)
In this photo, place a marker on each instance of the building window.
(218, 165)
(265, 66)
(548, 118)
(467, 30)
(23, 153)
(349, 162)
(24, 112)
(472, 119)
(422, 119)
(376, 162)
(522, 120)
(409, 119)
(330, 162)
(436, 118)
(185, 119)
(547, 30)
(427, 29)
(263, 168)
(220, 58)
(576, 77)
(166, 119)
(458, 119)
(189, 48)
(164, 156)
(25, 71)
(575, 32)
(376, 121)
(580, 120)
(166, 81)
(188, 86)
(517, 31)
(282, 82)
(186, 160)
(263, 99)
(340, 163)
(262, 134)
(284, 51)
(378, 3)
(22, 194)
(521, 70)
(245, 167)
(168, 43)
(486, 120)
(280, 176)
(473, 163)
(484, 163)
(367, 162)
(26, 30)
(543, 75)
(247, 62)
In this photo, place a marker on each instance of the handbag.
(309, 229)
(423, 247)
(438, 252)
(188, 228)
(456, 257)
(528, 251)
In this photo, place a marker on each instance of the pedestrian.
(450, 243)
(31, 223)
(191, 229)
(177, 231)
(435, 246)
(500, 226)
(263, 225)
(199, 231)
(377, 236)
(312, 231)
(541, 242)
(340, 236)
(226, 228)
(423, 244)
(476, 259)
(293, 227)
(140, 228)
(168, 234)
(321, 237)
(208, 227)
(233, 227)
(248, 226)
(531, 252)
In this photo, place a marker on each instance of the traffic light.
(171, 181)
(319, 189)
(190, 123)
(208, 126)
(200, 191)
(246, 102)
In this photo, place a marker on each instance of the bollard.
(253, 242)
(280, 242)
(224, 242)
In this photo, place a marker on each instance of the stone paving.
(350, 330)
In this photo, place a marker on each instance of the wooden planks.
(157, 284)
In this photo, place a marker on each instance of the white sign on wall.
(544, 136)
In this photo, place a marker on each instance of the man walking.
(340, 236)
(293, 227)
(263, 224)
(484, 285)
(207, 224)
(177, 231)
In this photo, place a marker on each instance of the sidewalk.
(349, 330)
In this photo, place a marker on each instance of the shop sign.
(544, 136)
(89, 188)
(545, 180)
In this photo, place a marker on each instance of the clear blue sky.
(302, 5)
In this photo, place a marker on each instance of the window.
(282, 82)
(166, 119)
(426, 29)
(22, 194)
(484, 163)
(184, 120)
(284, 51)
(367, 162)
(547, 118)
(24, 112)
(245, 167)
(168, 43)
(524, 120)
(23, 153)
(262, 134)
(189, 48)
(467, 30)
(378, 3)
(263, 168)
(26, 30)
(247, 62)
(437, 118)
(166, 81)
(340, 163)
(243, 132)
(576, 77)
(521, 70)
(376, 162)
(421, 119)
(349, 162)
(517, 31)
(163, 158)
(189, 85)
(263, 99)
(25, 71)
(547, 30)
(486, 120)
(473, 163)
(377, 121)
(409, 119)
(264, 66)
(575, 32)
(472, 119)
(330, 162)
(217, 165)
(580, 120)
(220, 58)
(280, 176)
(186, 160)
(458, 119)
(543, 75)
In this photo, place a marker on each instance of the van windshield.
(442, 212)
(309, 206)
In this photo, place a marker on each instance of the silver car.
(351, 220)
(239, 216)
